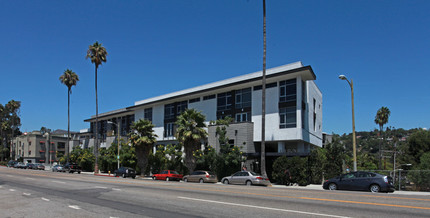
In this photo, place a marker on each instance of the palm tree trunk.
(96, 145)
(263, 100)
(68, 125)
(142, 158)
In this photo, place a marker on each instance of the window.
(287, 117)
(287, 90)
(182, 106)
(224, 101)
(169, 129)
(208, 97)
(61, 145)
(169, 111)
(194, 100)
(243, 98)
(147, 114)
(243, 117)
(315, 116)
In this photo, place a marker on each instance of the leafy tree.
(44, 130)
(190, 131)
(418, 144)
(381, 119)
(9, 124)
(335, 157)
(83, 157)
(142, 138)
(421, 178)
(169, 157)
(69, 79)
(317, 159)
(290, 170)
(97, 53)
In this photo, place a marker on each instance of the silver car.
(201, 176)
(246, 178)
(58, 168)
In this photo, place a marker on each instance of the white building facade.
(293, 112)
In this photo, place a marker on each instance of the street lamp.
(351, 84)
(110, 122)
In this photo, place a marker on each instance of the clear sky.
(158, 47)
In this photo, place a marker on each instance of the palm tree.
(189, 133)
(69, 78)
(263, 99)
(142, 138)
(97, 53)
(381, 119)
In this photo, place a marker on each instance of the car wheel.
(114, 175)
(185, 180)
(332, 186)
(201, 181)
(375, 188)
(153, 178)
(225, 181)
(248, 183)
(123, 176)
(167, 179)
(79, 172)
(134, 177)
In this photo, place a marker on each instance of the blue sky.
(157, 47)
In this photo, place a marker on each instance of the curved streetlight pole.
(117, 126)
(351, 84)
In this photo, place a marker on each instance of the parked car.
(361, 181)
(246, 178)
(201, 176)
(39, 166)
(20, 165)
(72, 167)
(11, 163)
(125, 172)
(58, 168)
(29, 165)
(168, 175)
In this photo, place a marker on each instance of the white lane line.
(101, 187)
(74, 207)
(116, 189)
(26, 194)
(9, 176)
(1, 186)
(58, 181)
(12, 190)
(45, 199)
(30, 178)
(265, 208)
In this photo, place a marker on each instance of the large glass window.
(243, 117)
(169, 129)
(224, 101)
(169, 111)
(287, 90)
(182, 106)
(243, 98)
(148, 114)
(287, 117)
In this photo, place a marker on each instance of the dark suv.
(125, 172)
(72, 167)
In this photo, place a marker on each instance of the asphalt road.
(29, 193)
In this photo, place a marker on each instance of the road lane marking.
(9, 176)
(265, 208)
(26, 194)
(116, 189)
(76, 207)
(30, 178)
(1, 186)
(45, 199)
(56, 181)
(101, 187)
(12, 190)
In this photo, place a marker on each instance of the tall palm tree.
(142, 138)
(263, 99)
(97, 53)
(381, 119)
(189, 132)
(69, 78)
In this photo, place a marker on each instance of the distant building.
(34, 147)
(293, 113)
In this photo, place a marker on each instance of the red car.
(168, 175)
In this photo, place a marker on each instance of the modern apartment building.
(34, 147)
(293, 112)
